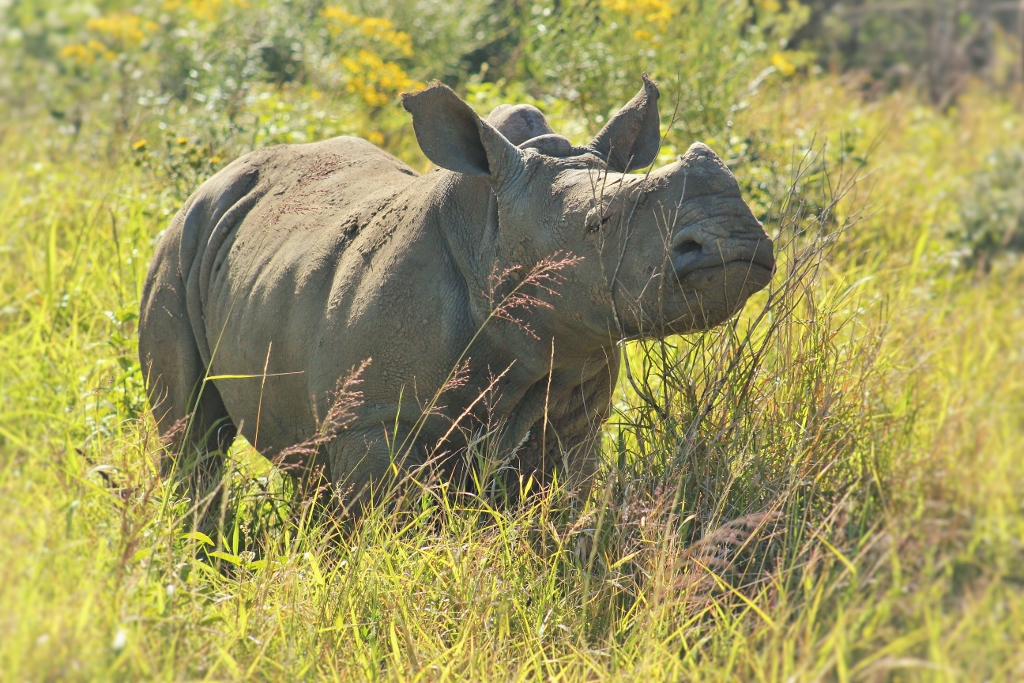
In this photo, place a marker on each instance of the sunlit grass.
(847, 506)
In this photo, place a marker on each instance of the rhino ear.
(632, 138)
(452, 136)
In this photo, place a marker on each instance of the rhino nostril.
(688, 246)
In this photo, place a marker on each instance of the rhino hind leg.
(198, 444)
(193, 423)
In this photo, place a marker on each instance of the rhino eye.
(596, 219)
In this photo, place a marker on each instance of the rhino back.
(274, 251)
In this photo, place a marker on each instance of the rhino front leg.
(366, 465)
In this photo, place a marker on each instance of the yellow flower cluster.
(658, 12)
(87, 53)
(782, 64)
(202, 9)
(376, 28)
(128, 29)
(372, 77)
(119, 31)
(374, 80)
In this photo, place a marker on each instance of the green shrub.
(992, 210)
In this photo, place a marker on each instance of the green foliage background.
(829, 487)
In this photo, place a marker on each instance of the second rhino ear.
(632, 138)
(452, 136)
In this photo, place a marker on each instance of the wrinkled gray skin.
(301, 261)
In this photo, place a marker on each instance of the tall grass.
(828, 487)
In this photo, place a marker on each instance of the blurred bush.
(935, 46)
(231, 75)
(181, 87)
(992, 211)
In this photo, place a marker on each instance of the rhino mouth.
(697, 267)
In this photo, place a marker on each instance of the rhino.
(484, 299)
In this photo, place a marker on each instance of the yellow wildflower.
(182, 141)
(782, 64)
(88, 53)
(101, 49)
(658, 12)
(771, 5)
(128, 29)
(375, 81)
(376, 28)
(78, 53)
(139, 146)
(338, 14)
(202, 9)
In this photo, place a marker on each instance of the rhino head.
(672, 250)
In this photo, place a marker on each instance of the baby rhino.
(484, 299)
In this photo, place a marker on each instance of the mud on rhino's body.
(294, 264)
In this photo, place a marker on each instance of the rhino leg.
(366, 465)
(190, 417)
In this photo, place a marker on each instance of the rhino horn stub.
(525, 127)
(632, 138)
(553, 145)
(452, 136)
(519, 122)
